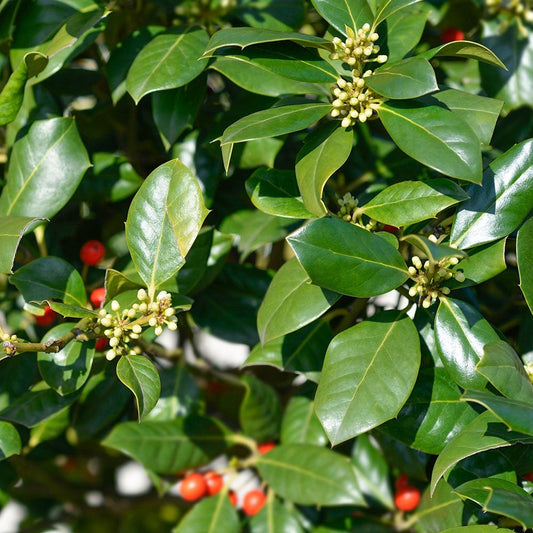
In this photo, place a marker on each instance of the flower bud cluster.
(123, 326)
(429, 276)
(10, 343)
(348, 206)
(352, 100)
(517, 8)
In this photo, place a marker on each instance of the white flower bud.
(106, 322)
(131, 313)
(142, 295)
(413, 291)
(382, 58)
(416, 261)
(334, 113)
(172, 326)
(445, 290)
(110, 355)
(158, 330)
(412, 270)
(366, 27)
(115, 306)
(143, 308)
(374, 37)
(152, 322)
(346, 122)
(453, 260)
(460, 276)
(426, 303)
(117, 332)
(137, 328)
(114, 342)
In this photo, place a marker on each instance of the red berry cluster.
(92, 252)
(407, 497)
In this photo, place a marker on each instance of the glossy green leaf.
(324, 152)
(273, 122)
(515, 414)
(275, 192)
(12, 93)
(347, 259)
(275, 517)
(434, 136)
(409, 78)
(170, 446)
(351, 13)
(140, 376)
(302, 351)
(467, 50)
(485, 432)
(310, 475)
(408, 202)
(461, 333)
(36, 185)
(404, 30)
(291, 302)
(357, 391)
(500, 497)
(67, 370)
(50, 428)
(10, 443)
(12, 229)
(433, 414)
(482, 112)
(272, 14)
(477, 529)
(387, 8)
(175, 110)
(504, 199)
(243, 37)
(504, 369)
(372, 471)
(35, 405)
(432, 250)
(171, 59)
(50, 278)
(515, 48)
(164, 219)
(210, 515)
(524, 256)
(300, 423)
(260, 410)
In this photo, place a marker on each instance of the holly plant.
(274, 257)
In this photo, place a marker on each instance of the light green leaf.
(478, 529)
(50, 278)
(348, 259)
(351, 13)
(409, 78)
(12, 229)
(434, 136)
(357, 391)
(171, 59)
(524, 256)
(163, 220)
(171, 446)
(291, 302)
(465, 49)
(300, 423)
(504, 199)
(324, 152)
(36, 185)
(273, 518)
(408, 202)
(140, 376)
(310, 475)
(10, 443)
(386, 8)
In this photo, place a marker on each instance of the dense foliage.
(340, 191)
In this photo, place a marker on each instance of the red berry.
(46, 319)
(193, 487)
(391, 229)
(97, 297)
(233, 498)
(407, 498)
(451, 34)
(253, 502)
(528, 476)
(401, 481)
(265, 447)
(214, 483)
(92, 252)
(101, 344)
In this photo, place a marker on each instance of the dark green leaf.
(67, 370)
(478, 529)
(434, 136)
(36, 185)
(461, 332)
(300, 423)
(497, 207)
(432, 250)
(409, 78)
(348, 259)
(387, 8)
(465, 49)
(272, 14)
(50, 428)
(10, 443)
(291, 302)
(260, 410)
(274, 518)
(324, 152)
(140, 376)
(49, 278)
(404, 30)
(276, 192)
(171, 59)
(351, 13)
(408, 202)
(524, 256)
(170, 446)
(310, 475)
(357, 391)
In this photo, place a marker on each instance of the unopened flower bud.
(346, 122)
(366, 27)
(459, 276)
(114, 342)
(416, 261)
(158, 330)
(173, 326)
(137, 328)
(445, 290)
(115, 306)
(110, 355)
(152, 322)
(382, 58)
